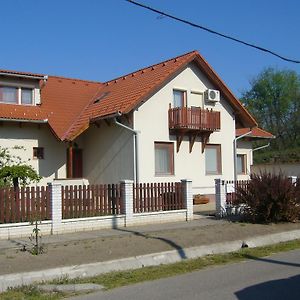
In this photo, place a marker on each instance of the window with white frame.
(26, 95)
(179, 98)
(8, 94)
(196, 99)
(241, 164)
(16, 95)
(213, 163)
(164, 158)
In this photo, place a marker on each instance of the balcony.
(185, 118)
(193, 122)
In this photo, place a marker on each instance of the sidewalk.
(200, 212)
(97, 247)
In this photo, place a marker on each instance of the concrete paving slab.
(84, 287)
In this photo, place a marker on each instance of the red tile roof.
(70, 104)
(22, 112)
(127, 92)
(255, 133)
(66, 99)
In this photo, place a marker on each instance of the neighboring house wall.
(245, 148)
(107, 154)
(33, 135)
(289, 169)
(151, 119)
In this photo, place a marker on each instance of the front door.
(74, 163)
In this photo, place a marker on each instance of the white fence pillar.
(55, 206)
(220, 190)
(293, 179)
(127, 198)
(187, 185)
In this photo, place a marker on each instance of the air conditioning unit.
(212, 95)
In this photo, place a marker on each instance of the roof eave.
(42, 121)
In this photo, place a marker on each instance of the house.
(175, 119)
(245, 137)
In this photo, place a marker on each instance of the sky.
(103, 39)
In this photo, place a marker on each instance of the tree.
(274, 100)
(13, 171)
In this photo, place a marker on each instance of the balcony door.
(179, 98)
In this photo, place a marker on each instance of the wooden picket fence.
(91, 200)
(231, 196)
(152, 197)
(24, 204)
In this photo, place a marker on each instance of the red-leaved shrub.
(270, 198)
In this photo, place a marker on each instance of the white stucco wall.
(107, 154)
(151, 119)
(33, 135)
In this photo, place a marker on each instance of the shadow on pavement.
(179, 249)
(287, 288)
(268, 260)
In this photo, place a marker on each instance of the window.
(213, 162)
(16, 95)
(26, 96)
(179, 98)
(241, 164)
(164, 158)
(196, 99)
(38, 152)
(8, 94)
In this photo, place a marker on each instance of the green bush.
(270, 198)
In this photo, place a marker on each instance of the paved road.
(276, 278)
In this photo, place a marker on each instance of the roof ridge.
(42, 75)
(151, 66)
(22, 73)
(76, 79)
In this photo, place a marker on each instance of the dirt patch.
(131, 244)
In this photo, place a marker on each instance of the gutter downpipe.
(258, 148)
(235, 152)
(261, 147)
(135, 152)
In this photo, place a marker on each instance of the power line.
(161, 13)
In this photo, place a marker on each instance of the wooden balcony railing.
(194, 119)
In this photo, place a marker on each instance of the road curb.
(154, 259)
(84, 287)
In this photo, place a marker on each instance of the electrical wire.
(161, 13)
